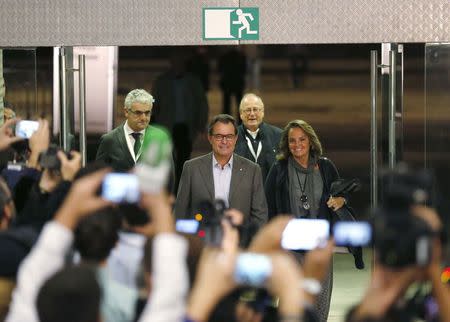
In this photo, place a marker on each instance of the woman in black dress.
(299, 183)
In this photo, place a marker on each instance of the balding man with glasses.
(121, 148)
(257, 140)
(224, 175)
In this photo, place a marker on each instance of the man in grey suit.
(120, 148)
(222, 174)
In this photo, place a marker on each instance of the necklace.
(303, 197)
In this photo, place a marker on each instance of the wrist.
(199, 306)
(290, 318)
(67, 217)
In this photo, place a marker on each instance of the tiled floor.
(349, 284)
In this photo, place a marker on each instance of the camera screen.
(352, 233)
(252, 269)
(25, 129)
(187, 226)
(305, 234)
(121, 188)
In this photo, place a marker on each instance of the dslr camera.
(400, 238)
(212, 214)
(49, 159)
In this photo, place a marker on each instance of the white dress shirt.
(222, 179)
(126, 258)
(130, 139)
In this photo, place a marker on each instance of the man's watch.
(311, 286)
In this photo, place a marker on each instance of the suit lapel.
(207, 174)
(236, 176)
(124, 146)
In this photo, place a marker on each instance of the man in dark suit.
(257, 141)
(120, 148)
(222, 175)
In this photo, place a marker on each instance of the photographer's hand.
(38, 143)
(386, 287)
(158, 207)
(6, 134)
(69, 168)
(441, 292)
(49, 181)
(237, 217)
(269, 236)
(317, 264)
(285, 283)
(214, 278)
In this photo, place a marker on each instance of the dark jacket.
(270, 139)
(113, 151)
(277, 188)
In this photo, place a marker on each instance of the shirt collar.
(228, 164)
(252, 134)
(129, 130)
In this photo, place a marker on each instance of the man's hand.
(38, 143)
(214, 277)
(386, 287)
(285, 283)
(6, 134)
(82, 200)
(159, 210)
(269, 237)
(318, 261)
(69, 168)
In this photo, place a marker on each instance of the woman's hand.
(335, 203)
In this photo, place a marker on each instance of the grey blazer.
(246, 188)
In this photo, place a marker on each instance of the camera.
(252, 269)
(123, 189)
(305, 234)
(49, 158)
(211, 215)
(352, 233)
(401, 238)
(25, 128)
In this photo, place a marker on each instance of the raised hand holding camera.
(153, 166)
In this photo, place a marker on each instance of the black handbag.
(346, 213)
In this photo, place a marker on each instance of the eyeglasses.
(220, 137)
(254, 110)
(140, 113)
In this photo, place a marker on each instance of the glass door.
(437, 120)
(18, 83)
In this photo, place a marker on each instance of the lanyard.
(252, 151)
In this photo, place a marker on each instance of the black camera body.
(212, 214)
(49, 158)
(400, 238)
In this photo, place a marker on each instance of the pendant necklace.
(303, 197)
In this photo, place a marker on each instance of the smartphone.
(352, 233)
(121, 188)
(305, 234)
(25, 129)
(252, 269)
(187, 226)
